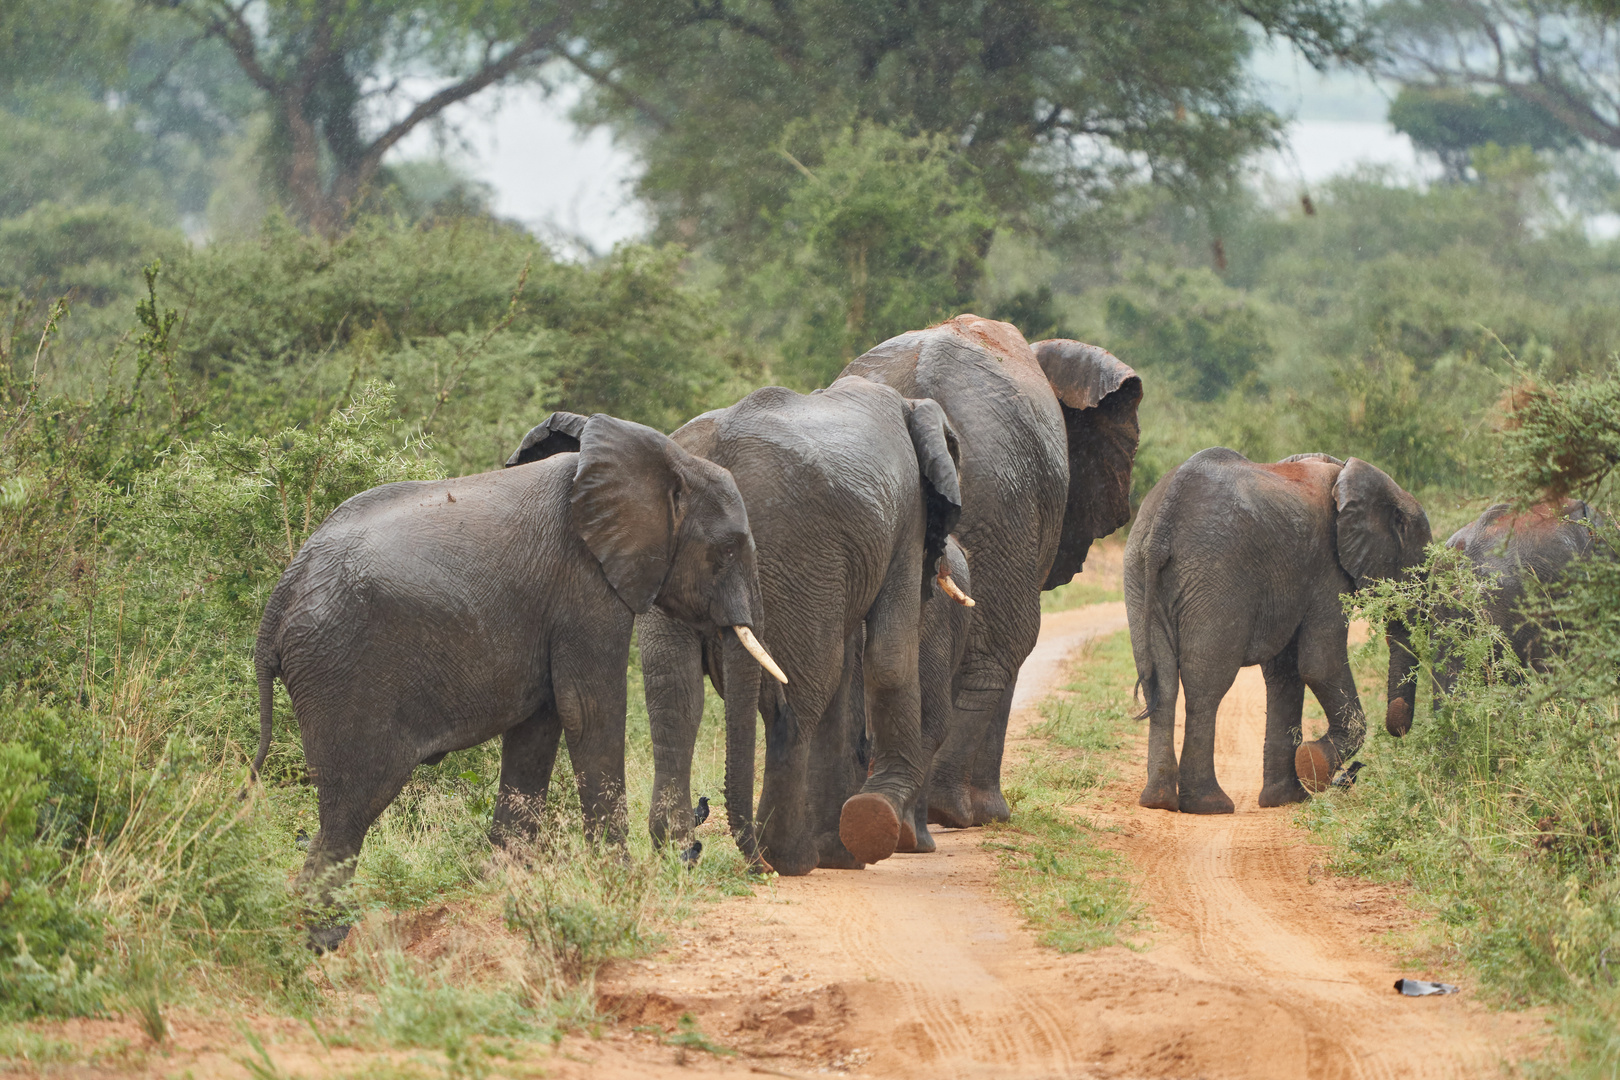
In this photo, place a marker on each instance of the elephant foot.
(1398, 718)
(908, 835)
(914, 835)
(869, 827)
(1283, 792)
(1160, 797)
(1314, 765)
(325, 939)
(1208, 802)
(989, 806)
(950, 809)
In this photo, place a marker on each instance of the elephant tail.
(267, 701)
(1154, 647)
(266, 666)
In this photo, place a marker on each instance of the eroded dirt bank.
(1256, 964)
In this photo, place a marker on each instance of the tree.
(326, 67)
(1451, 123)
(1559, 58)
(1047, 99)
(881, 233)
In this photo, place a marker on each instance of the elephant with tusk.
(427, 617)
(851, 492)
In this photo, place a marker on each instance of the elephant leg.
(672, 675)
(984, 776)
(591, 702)
(528, 754)
(869, 823)
(349, 802)
(950, 790)
(1198, 791)
(1315, 762)
(1285, 703)
(1162, 791)
(836, 772)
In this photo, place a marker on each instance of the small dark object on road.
(689, 856)
(1419, 988)
(1348, 777)
(700, 812)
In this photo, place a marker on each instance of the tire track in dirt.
(1256, 964)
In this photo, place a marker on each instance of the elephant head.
(1380, 532)
(668, 528)
(1099, 396)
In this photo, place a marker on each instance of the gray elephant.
(1515, 550)
(1048, 438)
(1232, 562)
(427, 617)
(851, 492)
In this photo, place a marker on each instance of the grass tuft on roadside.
(1064, 883)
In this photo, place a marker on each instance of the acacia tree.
(1046, 99)
(1561, 58)
(335, 76)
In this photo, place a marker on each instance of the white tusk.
(952, 590)
(757, 651)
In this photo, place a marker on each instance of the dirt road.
(1256, 964)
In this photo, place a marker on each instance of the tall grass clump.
(1502, 806)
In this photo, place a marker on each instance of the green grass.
(1063, 882)
(1079, 593)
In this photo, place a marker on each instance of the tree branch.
(520, 55)
(605, 79)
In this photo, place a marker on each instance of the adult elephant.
(1231, 563)
(426, 617)
(850, 493)
(1519, 551)
(1048, 438)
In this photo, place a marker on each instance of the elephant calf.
(1515, 549)
(426, 617)
(1232, 563)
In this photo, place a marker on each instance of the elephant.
(1232, 562)
(1536, 545)
(1048, 438)
(850, 493)
(430, 616)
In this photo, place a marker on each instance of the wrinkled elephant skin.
(1232, 563)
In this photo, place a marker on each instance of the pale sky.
(558, 181)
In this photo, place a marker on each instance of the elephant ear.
(557, 434)
(1380, 530)
(629, 496)
(938, 456)
(1099, 396)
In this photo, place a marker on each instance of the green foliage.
(481, 331)
(1502, 806)
(881, 234)
(1044, 99)
(36, 913)
(1563, 439)
(1450, 122)
(1189, 329)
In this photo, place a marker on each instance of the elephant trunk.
(742, 677)
(1402, 680)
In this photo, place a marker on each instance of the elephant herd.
(860, 566)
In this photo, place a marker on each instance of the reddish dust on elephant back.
(1002, 339)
